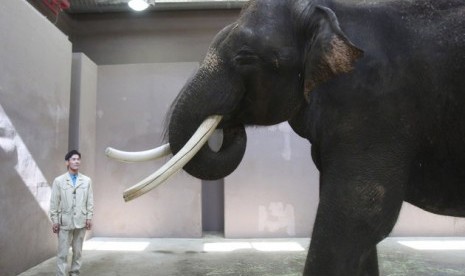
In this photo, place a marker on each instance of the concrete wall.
(274, 192)
(35, 72)
(132, 101)
(148, 38)
(83, 111)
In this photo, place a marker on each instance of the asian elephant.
(377, 89)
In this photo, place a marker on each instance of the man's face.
(74, 162)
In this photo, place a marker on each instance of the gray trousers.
(70, 238)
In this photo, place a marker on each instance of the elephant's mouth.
(175, 164)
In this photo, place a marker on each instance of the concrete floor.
(214, 255)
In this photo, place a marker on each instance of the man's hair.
(71, 153)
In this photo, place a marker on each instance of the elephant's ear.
(328, 52)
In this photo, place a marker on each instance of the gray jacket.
(70, 205)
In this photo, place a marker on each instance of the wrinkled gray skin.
(378, 90)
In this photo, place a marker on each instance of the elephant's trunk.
(201, 98)
(212, 95)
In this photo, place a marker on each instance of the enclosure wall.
(35, 73)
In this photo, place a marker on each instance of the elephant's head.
(257, 71)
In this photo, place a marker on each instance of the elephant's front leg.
(360, 199)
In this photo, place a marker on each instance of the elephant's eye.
(246, 57)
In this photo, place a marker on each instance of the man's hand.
(88, 224)
(56, 228)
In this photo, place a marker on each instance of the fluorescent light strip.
(434, 244)
(259, 246)
(115, 245)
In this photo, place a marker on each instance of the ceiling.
(106, 6)
(65, 19)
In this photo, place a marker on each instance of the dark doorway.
(213, 195)
(213, 206)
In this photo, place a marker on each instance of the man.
(71, 211)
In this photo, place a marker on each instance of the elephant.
(378, 91)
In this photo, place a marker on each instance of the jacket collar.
(70, 181)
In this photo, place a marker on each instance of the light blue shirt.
(73, 178)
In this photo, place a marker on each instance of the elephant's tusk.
(178, 161)
(138, 156)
